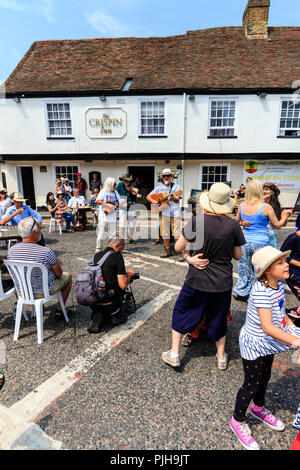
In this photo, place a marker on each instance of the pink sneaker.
(243, 433)
(266, 416)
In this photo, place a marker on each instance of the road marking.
(35, 405)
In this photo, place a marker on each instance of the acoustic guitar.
(162, 201)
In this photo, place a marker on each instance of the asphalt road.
(120, 394)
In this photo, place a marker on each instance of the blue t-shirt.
(27, 212)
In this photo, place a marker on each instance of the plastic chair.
(5, 295)
(21, 271)
(53, 220)
(9, 293)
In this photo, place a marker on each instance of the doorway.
(26, 184)
(144, 178)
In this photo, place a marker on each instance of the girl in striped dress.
(267, 331)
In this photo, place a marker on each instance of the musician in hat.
(80, 184)
(129, 194)
(171, 212)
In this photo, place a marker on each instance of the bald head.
(116, 243)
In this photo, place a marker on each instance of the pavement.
(111, 391)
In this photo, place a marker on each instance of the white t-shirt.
(254, 342)
(74, 201)
(113, 198)
(172, 209)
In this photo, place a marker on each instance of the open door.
(26, 184)
(144, 178)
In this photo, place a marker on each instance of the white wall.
(23, 128)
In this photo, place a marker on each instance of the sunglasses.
(167, 176)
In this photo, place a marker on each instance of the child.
(293, 243)
(296, 424)
(267, 331)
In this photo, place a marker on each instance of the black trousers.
(100, 311)
(257, 376)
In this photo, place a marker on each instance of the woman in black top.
(212, 239)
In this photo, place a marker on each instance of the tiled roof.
(214, 59)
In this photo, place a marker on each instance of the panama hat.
(18, 197)
(264, 257)
(126, 177)
(167, 171)
(217, 199)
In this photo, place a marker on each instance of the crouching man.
(116, 279)
(29, 250)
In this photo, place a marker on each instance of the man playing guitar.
(171, 212)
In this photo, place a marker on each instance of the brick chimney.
(255, 19)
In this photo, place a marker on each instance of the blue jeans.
(246, 270)
(69, 218)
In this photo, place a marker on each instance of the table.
(9, 232)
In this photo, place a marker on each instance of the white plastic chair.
(21, 271)
(5, 295)
(53, 221)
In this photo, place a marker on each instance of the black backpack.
(86, 285)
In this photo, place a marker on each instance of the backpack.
(86, 288)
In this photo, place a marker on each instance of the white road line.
(35, 404)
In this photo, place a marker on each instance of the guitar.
(162, 201)
(112, 206)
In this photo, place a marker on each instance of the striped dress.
(254, 342)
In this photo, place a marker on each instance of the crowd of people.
(208, 242)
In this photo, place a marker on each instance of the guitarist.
(171, 212)
(108, 200)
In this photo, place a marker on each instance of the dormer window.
(127, 84)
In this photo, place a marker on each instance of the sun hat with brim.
(18, 197)
(125, 177)
(264, 257)
(167, 171)
(217, 200)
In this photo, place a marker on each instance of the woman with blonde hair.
(254, 215)
(108, 200)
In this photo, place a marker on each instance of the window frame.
(58, 164)
(222, 98)
(147, 100)
(280, 119)
(215, 164)
(58, 101)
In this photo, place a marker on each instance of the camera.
(135, 276)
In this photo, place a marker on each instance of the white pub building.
(224, 103)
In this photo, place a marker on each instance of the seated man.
(116, 278)
(29, 229)
(75, 203)
(19, 211)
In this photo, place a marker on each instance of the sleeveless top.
(257, 232)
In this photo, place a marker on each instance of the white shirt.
(172, 209)
(74, 201)
(113, 198)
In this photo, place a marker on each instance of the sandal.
(60, 316)
(186, 340)
(3, 380)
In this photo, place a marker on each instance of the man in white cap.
(171, 213)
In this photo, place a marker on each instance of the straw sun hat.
(18, 197)
(217, 199)
(264, 257)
